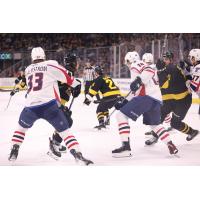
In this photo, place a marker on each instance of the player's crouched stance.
(41, 103)
(146, 103)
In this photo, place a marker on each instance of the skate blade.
(84, 163)
(122, 155)
(50, 154)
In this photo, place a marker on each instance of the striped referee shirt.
(88, 74)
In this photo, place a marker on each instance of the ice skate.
(54, 151)
(123, 151)
(79, 157)
(107, 122)
(192, 135)
(14, 152)
(172, 148)
(100, 126)
(152, 140)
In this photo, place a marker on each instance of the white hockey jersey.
(41, 79)
(195, 82)
(148, 75)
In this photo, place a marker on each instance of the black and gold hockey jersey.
(65, 91)
(173, 83)
(105, 85)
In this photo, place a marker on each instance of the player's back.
(149, 78)
(41, 80)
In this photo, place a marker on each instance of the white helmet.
(194, 53)
(131, 57)
(147, 58)
(37, 53)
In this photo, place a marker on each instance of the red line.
(21, 133)
(124, 132)
(159, 130)
(122, 123)
(135, 69)
(71, 136)
(14, 140)
(162, 138)
(69, 79)
(75, 143)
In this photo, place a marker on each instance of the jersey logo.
(166, 83)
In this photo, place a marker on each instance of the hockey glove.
(160, 65)
(67, 114)
(135, 85)
(14, 91)
(120, 103)
(76, 90)
(17, 81)
(87, 101)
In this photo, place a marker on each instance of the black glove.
(67, 114)
(76, 90)
(160, 65)
(135, 85)
(17, 81)
(120, 103)
(14, 91)
(87, 101)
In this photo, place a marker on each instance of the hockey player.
(146, 100)
(41, 77)
(176, 96)
(71, 64)
(149, 60)
(20, 81)
(110, 93)
(194, 57)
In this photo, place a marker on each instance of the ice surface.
(95, 145)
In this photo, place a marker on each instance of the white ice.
(95, 145)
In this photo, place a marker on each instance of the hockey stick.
(164, 45)
(72, 101)
(116, 109)
(180, 46)
(10, 99)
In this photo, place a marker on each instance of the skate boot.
(152, 140)
(100, 126)
(79, 157)
(14, 152)
(172, 148)
(54, 151)
(148, 133)
(107, 122)
(123, 151)
(193, 134)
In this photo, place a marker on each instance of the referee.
(88, 77)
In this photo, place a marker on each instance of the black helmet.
(98, 70)
(70, 62)
(168, 54)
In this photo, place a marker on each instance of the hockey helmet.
(98, 70)
(70, 62)
(147, 58)
(37, 53)
(169, 55)
(131, 57)
(194, 54)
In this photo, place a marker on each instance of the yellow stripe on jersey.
(166, 83)
(107, 94)
(93, 92)
(175, 96)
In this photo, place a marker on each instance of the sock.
(19, 135)
(162, 133)
(123, 125)
(70, 140)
